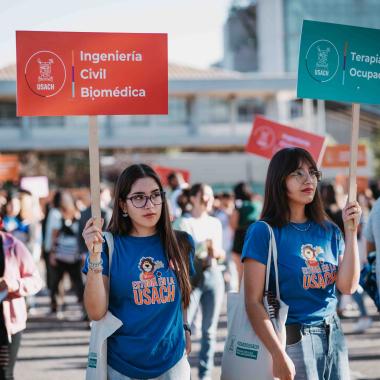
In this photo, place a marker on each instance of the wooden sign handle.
(352, 187)
(94, 174)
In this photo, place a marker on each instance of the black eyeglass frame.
(162, 194)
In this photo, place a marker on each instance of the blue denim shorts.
(321, 354)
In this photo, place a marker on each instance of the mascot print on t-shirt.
(154, 287)
(317, 274)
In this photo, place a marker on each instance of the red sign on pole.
(73, 73)
(268, 137)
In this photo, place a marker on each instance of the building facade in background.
(210, 111)
(264, 35)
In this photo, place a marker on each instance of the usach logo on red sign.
(268, 137)
(45, 73)
(72, 73)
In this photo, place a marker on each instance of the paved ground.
(57, 349)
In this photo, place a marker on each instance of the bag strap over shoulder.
(110, 243)
(272, 253)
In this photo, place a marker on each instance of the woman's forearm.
(349, 267)
(263, 327)
(96, 295)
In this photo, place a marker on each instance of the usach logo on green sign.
(339, 62)
(322, 60)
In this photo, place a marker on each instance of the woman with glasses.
(149, 288)
(313, 260)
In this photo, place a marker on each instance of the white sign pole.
(352, 187)
(94, 173)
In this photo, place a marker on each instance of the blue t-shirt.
(307, 265)
(145, 296)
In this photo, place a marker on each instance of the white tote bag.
(245, 357)
(100, 331)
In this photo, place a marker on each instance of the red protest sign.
(9, 167)
(73, 73)
(164, 171)
(268, 137)
(338, 156)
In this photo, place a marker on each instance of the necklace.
(296, 227)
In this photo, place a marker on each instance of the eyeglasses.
(301, 176)
(140, 200)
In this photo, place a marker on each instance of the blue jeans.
(358, 298)
(321, 354)
(209, 296)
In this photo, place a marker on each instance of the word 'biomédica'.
(116, 56)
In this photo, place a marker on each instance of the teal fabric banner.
(339, 62)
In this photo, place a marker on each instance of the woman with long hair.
(313, 260)
(208, 283)
(149, 287)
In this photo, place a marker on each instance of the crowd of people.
(180, 251)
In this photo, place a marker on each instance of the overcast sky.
(195, 27)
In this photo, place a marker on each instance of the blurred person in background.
(31, 216)
(22, 218)
(176, 183)
(64, 255)
(19, 278)
(334, 212)
(372, 234)
(3, 200)
(223, 208)
(208, 282)
(183, 201)
(52, 218)
(12, 222)
(375, 188)
(247, 211)
(366, 202)
(85, 215)
(332, 209)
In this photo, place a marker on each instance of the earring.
(125, 214)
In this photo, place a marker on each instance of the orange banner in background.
(9, 167)
(268, 137)
(74, 73)
(338, 156)
(362, 182)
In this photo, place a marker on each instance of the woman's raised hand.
(351, 214)
(92, 235)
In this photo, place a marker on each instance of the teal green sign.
(339, 62)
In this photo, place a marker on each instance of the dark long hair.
(242, 192)
(276, 209)
(196, 188)
(175, 246)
